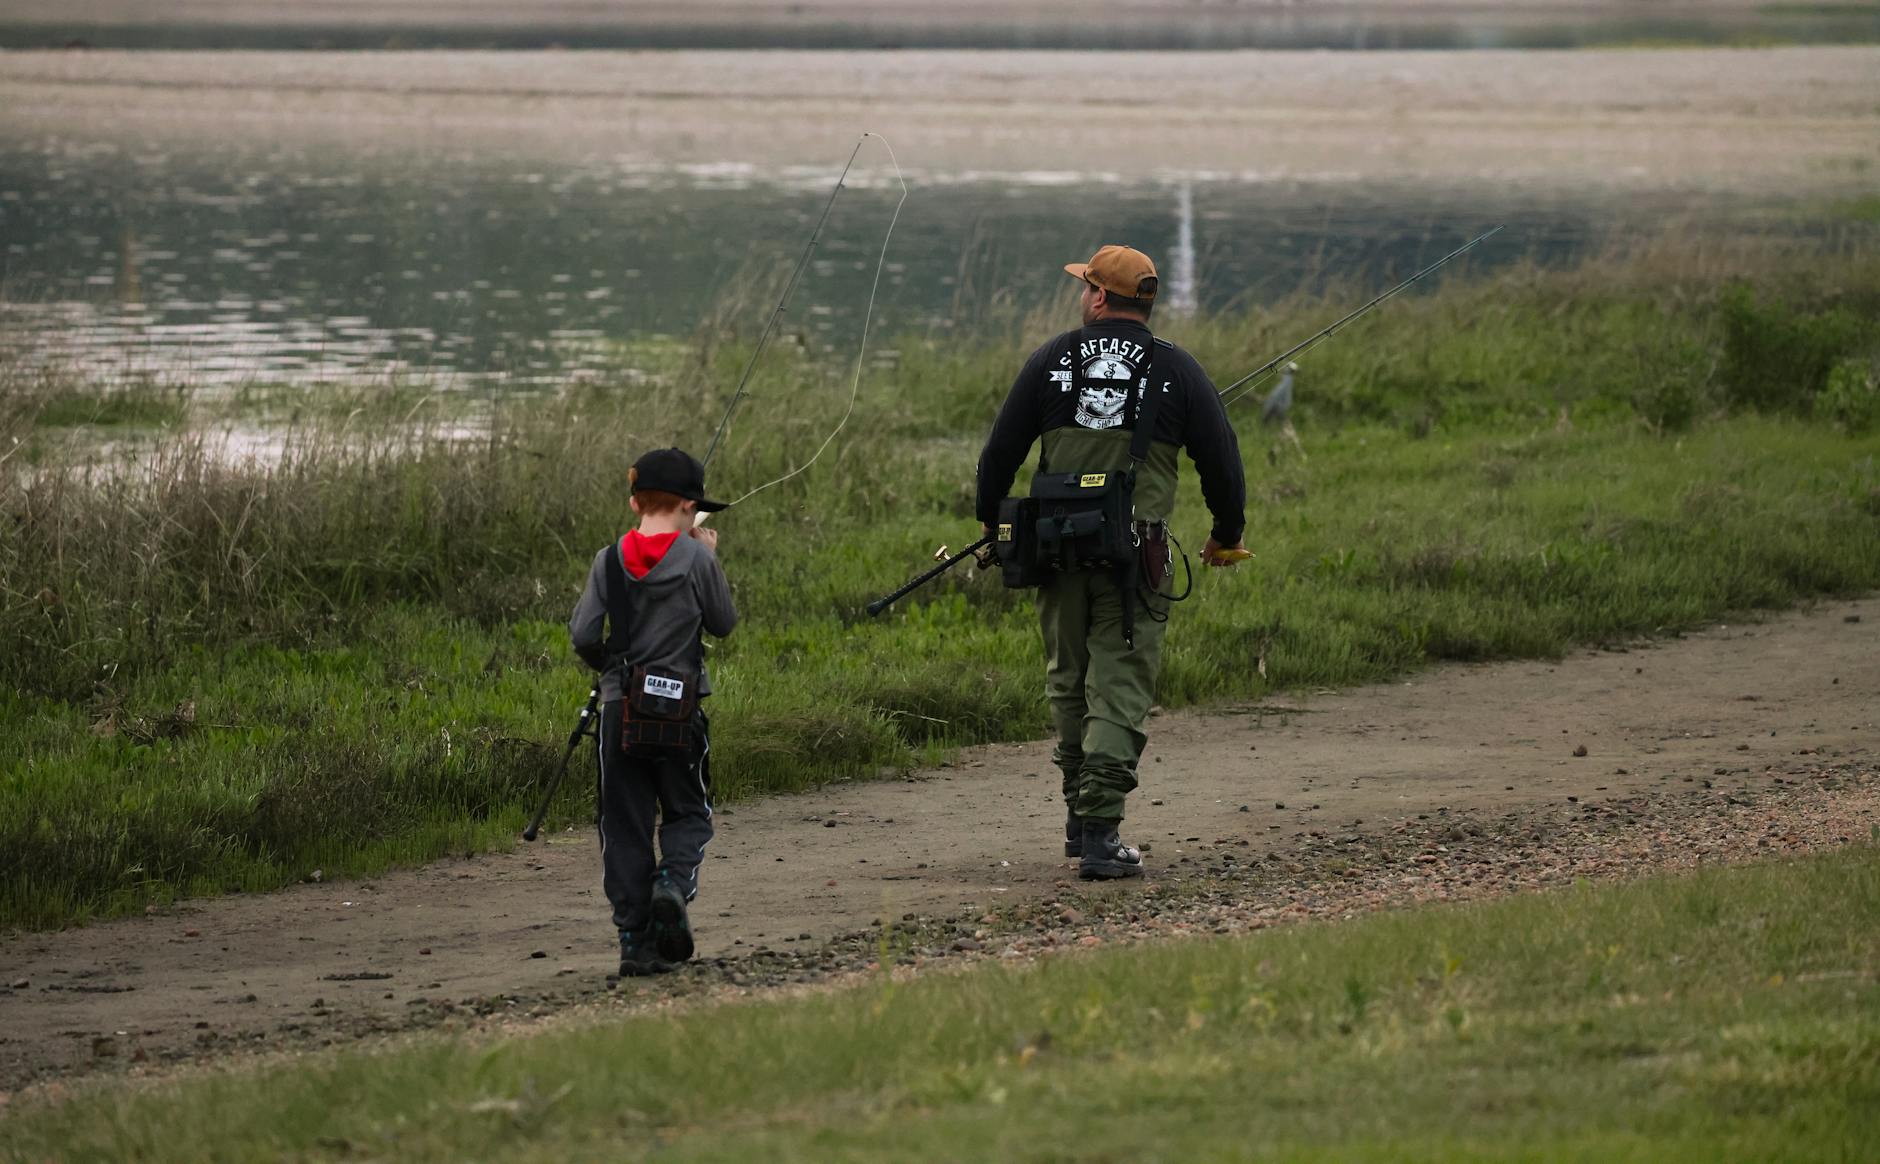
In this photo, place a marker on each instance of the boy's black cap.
(677, 472)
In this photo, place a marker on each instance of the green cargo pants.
(1100, 690)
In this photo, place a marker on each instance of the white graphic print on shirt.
(1106, 386)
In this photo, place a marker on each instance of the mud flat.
(1763, 121)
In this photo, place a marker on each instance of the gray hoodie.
(684, 592)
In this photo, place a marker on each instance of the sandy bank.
(1765, 120)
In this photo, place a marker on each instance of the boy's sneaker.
(672, 931)
(638, 958)
(1105, 856)
(1073, 834)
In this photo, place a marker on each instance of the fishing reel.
(985, 557)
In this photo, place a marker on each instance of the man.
(1083, 394)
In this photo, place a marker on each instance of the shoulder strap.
(619, 607)
(1148, 400)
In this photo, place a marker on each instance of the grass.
(133, 407)
(1689, 1017)
(1862, 209)
(226, 676)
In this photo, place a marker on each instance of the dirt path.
(1734, 709)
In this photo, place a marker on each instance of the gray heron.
(1279, 401)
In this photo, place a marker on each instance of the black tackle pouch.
(1083, 519)
(1015, 543)
(658, 710)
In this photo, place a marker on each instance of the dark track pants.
(635, 792)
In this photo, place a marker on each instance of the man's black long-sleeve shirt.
(1112, 353)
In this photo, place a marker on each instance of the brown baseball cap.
(1119, 270)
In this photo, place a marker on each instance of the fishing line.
(868, 317)
(1252, 379)
(776, 313)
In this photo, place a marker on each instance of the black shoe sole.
(1073, 848)
(672, 932)
(643, 969)
(1107, 871)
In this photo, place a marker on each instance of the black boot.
(1105, 856)
(638, 958)
(672, 930)
(1073, 834)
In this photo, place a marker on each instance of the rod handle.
(887, 600)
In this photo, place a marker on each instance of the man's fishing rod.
(1250, 380)
(1253, 378)
(887, 600)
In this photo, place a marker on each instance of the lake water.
(232, 266)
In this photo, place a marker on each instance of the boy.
(656, 590)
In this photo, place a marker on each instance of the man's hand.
(1217, 555)
(706, 534)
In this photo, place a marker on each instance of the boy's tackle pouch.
(658, 710)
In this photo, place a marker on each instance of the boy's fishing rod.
(1253, 378)
(776, 313)
(589, 718)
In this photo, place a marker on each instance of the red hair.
(653, 501)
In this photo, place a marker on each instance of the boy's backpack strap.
(619, 608)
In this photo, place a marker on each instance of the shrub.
(1852, 396)
(1672, 394)
(1777, 358)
